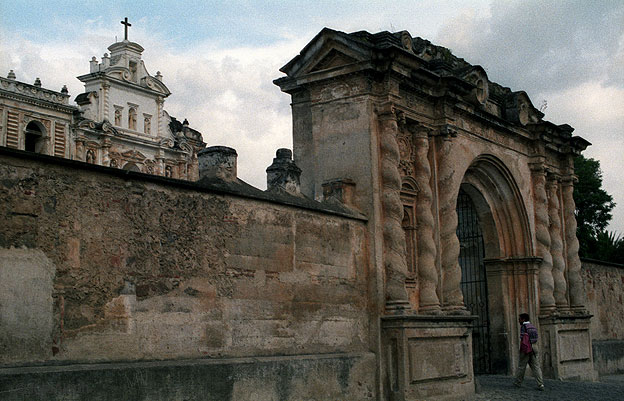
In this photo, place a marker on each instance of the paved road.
(495, 388)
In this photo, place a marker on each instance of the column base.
(398, 307)
(427, 356)
(567, 347)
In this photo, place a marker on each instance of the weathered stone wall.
(305, 378)
(604, 286)
(126, 266)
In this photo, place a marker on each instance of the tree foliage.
(593, 213)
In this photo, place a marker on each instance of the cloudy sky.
(219, 59)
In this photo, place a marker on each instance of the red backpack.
(529, 336)
(525, 344)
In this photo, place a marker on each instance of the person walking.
(529, 352)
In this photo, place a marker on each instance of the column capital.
(420, 130)
(569, 180)
(386, 111)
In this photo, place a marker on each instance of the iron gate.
(473, 282)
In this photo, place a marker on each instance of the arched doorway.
(34, 138)
(499, 278)
(474, 280)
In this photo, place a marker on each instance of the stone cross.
(126, 24)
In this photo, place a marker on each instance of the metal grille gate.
(473, 282)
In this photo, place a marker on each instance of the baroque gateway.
(424, 209)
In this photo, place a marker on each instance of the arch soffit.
(501, 206)
(40, 127)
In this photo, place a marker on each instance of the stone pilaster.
(427, 271)
(393, 235)
(575, 282)
(556, 245)
(542, 236)
(159, 117)
(105, 101)
(105, 147)
(452, 297)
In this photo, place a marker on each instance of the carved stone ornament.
(86, 124)
(520, 110)
(406, 41)
(108, 128)
(90, 157)
(477, 76)
(149, 166)
(134, 155)
(406, 146)
(166, 142)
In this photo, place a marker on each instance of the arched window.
(132, 118)
(34, 138)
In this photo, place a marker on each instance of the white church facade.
(119, 121)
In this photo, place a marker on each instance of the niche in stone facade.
(132, 118)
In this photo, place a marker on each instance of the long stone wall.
(604, 286)
(102, 265)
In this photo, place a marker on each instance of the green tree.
(593, 206)
(608, 247)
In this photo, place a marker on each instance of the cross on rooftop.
(126, 24)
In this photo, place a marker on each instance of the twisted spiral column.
(556, 245)
(393, 234)
(452, 297)
(575, 282)
(542, 236)
(427, 271)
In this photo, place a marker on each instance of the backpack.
(532, 332)
(525, 344)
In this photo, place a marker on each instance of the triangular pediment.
(134, 155)
(329, 49)
(333, 59)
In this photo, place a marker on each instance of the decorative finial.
(11, 75)
(185, 122)
(126, 24)
(37, 82)
(64, 90)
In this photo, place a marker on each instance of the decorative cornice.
(25, 98)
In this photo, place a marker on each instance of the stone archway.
(509, 269)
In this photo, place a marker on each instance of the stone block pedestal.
(427, 356)
(567, 346)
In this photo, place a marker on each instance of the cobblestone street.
(495, 387)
